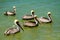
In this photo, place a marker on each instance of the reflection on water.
(49, 31)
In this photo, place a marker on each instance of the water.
(49, 31)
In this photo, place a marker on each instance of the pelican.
(14, 29)
(31, 23)
(44, 19)
(11, 13)
(29, 17)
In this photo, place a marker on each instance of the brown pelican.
(11, 13)
(31, 23)
(29, 17)
(13, 30)
(44, 19)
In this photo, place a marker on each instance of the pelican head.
(32, 12)
(49, 13)
(36, 20)
(35, 16)
(14, 8)
(16, 21)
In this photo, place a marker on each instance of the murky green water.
(49, 31)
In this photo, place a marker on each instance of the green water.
(49, 31)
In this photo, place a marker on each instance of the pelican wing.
(43, 20)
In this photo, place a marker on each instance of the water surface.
(49, 31)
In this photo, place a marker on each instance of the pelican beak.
(21, 28)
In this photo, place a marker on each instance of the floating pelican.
(11, 13)
(13, 30)
(29, 17)
(44, 19)
(31, 23)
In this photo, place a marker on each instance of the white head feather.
(49, 12)
(14, 6)
(15, 21)
(32, 11)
